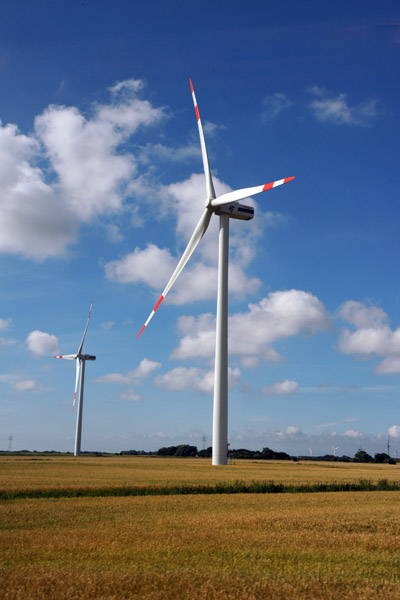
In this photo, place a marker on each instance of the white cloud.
(87, 173)
(131, 396)
(394, 431)
(27, 385)
(145, 368)
(92, 174)
(351, 433)
(336, 109)
(370, 335)
(282, 388)
(274, 105)
(42, 343)
(182, 378)
(149, 266)
(293, 430)
(33, 219)
(108, 324)
(4, 324)
(133, 377)
(281, 314)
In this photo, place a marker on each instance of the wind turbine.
(226, 207)
(334, 449)
(80, 361)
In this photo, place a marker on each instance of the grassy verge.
(237, 487)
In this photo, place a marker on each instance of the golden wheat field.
(47, 472)
(250, 546)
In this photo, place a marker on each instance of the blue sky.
(101, 185)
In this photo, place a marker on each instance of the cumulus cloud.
(182, 378)
(336, 109)
(281, 314)
(34, 221)
(41, 343)
(282, 388)
(274, 104)
(92, 174)
(145, 368)
(370, 335)
(108, 324)
(87, 173)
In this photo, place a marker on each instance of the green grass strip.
(237, 487)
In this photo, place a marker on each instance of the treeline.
(186, 451)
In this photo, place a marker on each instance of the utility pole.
(204, 439)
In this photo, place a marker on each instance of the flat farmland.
(30, 473)
(250, 546)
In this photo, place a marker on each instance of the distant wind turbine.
(80, 361)
(334, 449)
(226, 207)
(310, 449)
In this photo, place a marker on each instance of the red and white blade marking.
(206, 166)
(274, 184)
(237, 195)
(151, 315)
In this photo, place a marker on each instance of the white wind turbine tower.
(80, 361)
(226, 207)
(334, 449)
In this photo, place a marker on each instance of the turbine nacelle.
(236, 211)
(87, 357)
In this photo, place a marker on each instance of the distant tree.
(206, 453)
(167, 451)
(186, 450)
(267, 454)
(243, 453)
(381, 457)
(361, 456)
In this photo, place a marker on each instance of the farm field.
(30, 473)
(250, 546)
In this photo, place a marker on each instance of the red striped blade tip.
(191, 86)
(140, 332)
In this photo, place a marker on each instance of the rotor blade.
(246, 192)
(78, 370)
(198, 233)
(207, 171)
(67, 356)
(84, 333)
